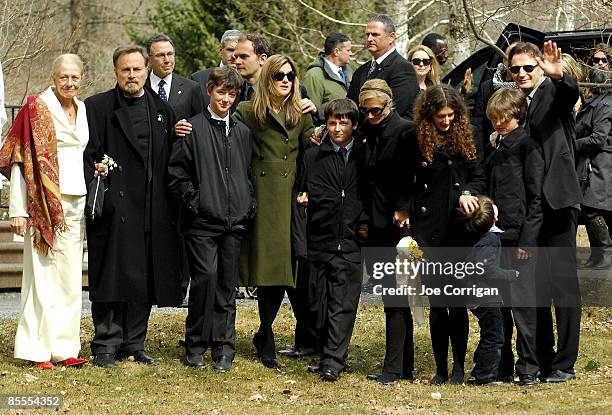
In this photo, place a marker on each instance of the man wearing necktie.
(550, 122)
(386, 64)
(183, 95)
(329, 76)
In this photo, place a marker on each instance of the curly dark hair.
(458, 140)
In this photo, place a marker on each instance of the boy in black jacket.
(515, 173)
(329, 186)
(208, 176)
(486, 252)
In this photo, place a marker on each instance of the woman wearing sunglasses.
(389, 145)
(446, 176)
(279, 131)
(425, 65)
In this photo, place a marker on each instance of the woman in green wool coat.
(279, 131)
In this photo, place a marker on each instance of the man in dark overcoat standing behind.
(133, 256)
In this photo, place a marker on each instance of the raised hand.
(551, 65)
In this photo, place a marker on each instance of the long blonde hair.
(434, 68)
(266, 92)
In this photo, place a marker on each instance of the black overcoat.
(594, 148)
(435, 190)
(116, 243)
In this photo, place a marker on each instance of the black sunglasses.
(424, 62)
(517, 68)
(279, 76)
(375, 111)
(600, 60)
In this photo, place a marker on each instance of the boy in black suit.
(486, 251)
(208, 177)
(515, 172)
(329, 186)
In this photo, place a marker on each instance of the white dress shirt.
(155, 83)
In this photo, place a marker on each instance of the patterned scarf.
(31, 143)
(499, 78)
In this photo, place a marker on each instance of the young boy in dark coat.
(329, 185)
(208, 176)
(486, 252)
(515, 173)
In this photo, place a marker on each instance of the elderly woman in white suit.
(47, 201)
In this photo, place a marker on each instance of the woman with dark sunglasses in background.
(389, 145)
(280, 130)
(425, 65)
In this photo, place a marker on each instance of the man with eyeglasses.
(386, 64)
(183, 95)
(329, 76)
(551, 96)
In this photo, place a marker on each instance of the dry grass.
(172, 388)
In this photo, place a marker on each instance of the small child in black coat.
(486, 252)
(329, 186)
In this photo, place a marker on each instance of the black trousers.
(335, 287)
(399, 346)
(448, 323)
(557, 283)
(211, 317)
(305, 308)
(119, 327)
(488, 351)
(269, 300)
(519, 310)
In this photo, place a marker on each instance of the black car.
(483, 62)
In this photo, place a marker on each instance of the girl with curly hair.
(446, 176)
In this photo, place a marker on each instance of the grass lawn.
(172, 388)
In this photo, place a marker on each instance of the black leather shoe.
(194, 360)
(223, 364)
(558, 376)
(526, 380)
(384, 378)
(330, 375)
(438, 380)
(481, 382)
(505, 378)
(106, 360)
(287, 351)
(269, 363)
(314, 368)
(141, 357)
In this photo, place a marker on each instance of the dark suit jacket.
(483, 127)
(550, 122)
(399, 74)
(185, 97)
(118, 260)
(201, 78)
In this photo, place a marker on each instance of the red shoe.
(44, 365)
(73, 361)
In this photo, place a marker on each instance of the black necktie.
(373, 67)
(161, 91)
(249, 92)
(343, 152)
